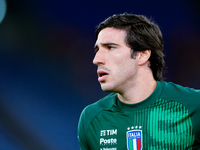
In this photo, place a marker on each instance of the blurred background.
(46, 71)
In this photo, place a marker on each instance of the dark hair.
(142, 34)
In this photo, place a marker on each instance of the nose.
(99, 58)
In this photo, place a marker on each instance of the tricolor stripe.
(134, 140)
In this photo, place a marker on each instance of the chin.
(107, 88)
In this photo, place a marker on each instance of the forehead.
(111, 35)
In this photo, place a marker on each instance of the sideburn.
(133, 54)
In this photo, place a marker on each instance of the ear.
(143, 56)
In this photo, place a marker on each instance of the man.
(142, 112)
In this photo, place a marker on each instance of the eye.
(110, 47)
(96, 49)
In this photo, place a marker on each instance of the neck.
(139, 92)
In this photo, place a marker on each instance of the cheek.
(128, 67)
(122, 62)
(125, 67)
(120, 58)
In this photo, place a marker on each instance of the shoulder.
(89, 113)
(187, 97)
(102, 104)
(172, 91)
(177, 89)
(94, 109)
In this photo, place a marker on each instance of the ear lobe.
(144, 56)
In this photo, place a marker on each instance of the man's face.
(117, 71)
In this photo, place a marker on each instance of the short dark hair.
(141, 34)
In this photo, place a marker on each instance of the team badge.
(134, 140)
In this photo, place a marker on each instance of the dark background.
(46, 71)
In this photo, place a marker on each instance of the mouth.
(102, 75)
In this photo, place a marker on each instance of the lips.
(102, 75)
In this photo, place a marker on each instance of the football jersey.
(168, 119)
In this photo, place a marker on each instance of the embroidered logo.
(134, 139)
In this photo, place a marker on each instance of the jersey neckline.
(145, 103)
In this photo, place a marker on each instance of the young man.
(142, 112)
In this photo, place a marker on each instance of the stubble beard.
(108, 88)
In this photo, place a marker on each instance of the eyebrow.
(105, 44)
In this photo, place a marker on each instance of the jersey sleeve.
(195, 115)
(190, 98)
(87, 116)
(82, 130)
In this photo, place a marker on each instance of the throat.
(136, 95)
